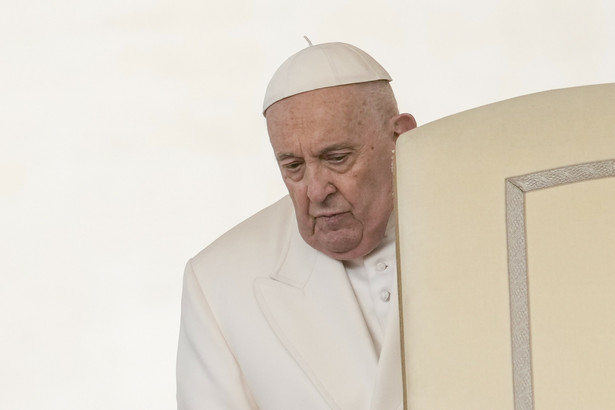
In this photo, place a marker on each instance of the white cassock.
(269, 322)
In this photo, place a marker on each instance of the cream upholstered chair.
(506, 236)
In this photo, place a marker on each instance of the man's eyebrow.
(285, 155)
(333, 147)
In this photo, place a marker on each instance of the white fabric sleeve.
(208, 376)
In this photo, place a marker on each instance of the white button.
(385, 295)
(380, 266)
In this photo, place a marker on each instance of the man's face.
(335, 159)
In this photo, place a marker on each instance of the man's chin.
(341, 248)
(341, 244)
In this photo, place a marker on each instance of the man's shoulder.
(256, 244)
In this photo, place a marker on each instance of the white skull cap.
(320, 66)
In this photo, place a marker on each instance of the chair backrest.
(506, 255)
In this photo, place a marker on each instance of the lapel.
(310, 305)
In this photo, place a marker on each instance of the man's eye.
(292, 166)
(337, 158)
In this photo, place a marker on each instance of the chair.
(506, 255)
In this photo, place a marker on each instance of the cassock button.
(385, 295)
(380, 266)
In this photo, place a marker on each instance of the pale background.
(131, 137)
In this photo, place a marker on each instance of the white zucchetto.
(320, 66)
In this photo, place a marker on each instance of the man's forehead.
(314, 134)
(314, 118)
(317, 104)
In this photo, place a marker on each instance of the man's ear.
(402, 123)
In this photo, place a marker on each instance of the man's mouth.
(328, 214)
(331, 218)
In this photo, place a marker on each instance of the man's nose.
(319, 184)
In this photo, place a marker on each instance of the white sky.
(131, 137)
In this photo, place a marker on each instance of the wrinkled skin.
(335, 155)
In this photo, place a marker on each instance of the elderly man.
(296, 308)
